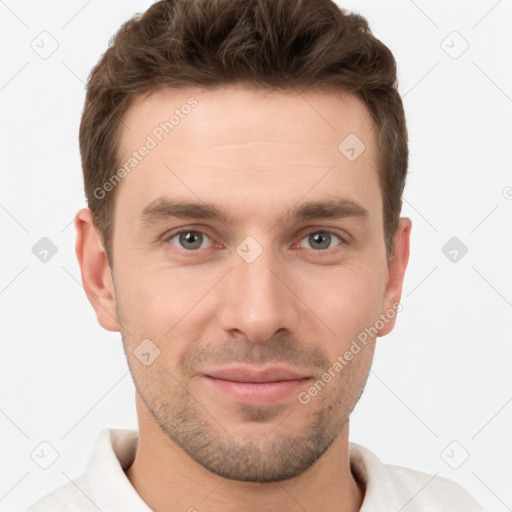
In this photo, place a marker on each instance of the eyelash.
(167, 238)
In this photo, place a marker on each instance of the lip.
(248, 385)
(251, 374)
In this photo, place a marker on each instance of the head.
(244, 163)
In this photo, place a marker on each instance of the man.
(270, 137)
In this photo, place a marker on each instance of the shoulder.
(71, 497)
(103, 481)
(407, 489)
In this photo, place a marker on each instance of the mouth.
(247, 385)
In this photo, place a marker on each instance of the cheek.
(145, 303)
(347, 301)
(157, 302)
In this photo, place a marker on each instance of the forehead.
(239, 114)
(247, 147)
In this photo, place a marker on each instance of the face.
(249, 261)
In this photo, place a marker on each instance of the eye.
(188, 239)
(192, 240)
(321, 239)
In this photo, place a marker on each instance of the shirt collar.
(110, 488)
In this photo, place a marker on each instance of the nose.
(258, 299)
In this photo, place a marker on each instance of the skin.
(300, 304)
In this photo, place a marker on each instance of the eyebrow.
(163, 208)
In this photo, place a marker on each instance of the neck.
(167, 479)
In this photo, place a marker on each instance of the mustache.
(280, 349)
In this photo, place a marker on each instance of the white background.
(444, 374)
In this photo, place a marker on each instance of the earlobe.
(95, 271)
(396, 272)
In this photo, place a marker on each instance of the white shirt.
(105, 487)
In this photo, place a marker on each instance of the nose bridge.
(256, 301)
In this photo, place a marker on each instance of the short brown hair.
(267, 44)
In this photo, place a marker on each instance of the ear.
(96, 275)
(396, 271)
